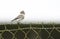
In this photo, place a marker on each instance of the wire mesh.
(30, 31)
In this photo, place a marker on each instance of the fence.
(30, 31)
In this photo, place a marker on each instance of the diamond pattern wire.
(30, 31)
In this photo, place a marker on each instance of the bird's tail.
(12, 20)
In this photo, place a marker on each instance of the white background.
(35, 10)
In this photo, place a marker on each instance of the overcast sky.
(36, 10)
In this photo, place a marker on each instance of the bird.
(20, 17)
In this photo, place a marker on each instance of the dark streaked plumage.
(20, 17)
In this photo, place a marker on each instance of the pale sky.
(35, 10)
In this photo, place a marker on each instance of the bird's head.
(22, 13)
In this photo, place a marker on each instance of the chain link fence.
(30, 31)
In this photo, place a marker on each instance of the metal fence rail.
(30, 31)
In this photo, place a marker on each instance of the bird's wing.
(19, 16)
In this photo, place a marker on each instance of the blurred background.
(36, 10)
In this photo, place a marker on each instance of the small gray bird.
(19, 17)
